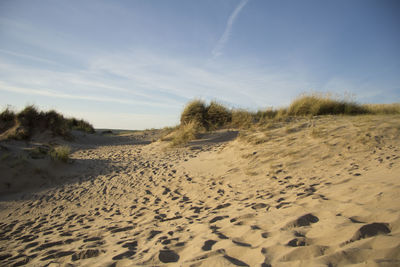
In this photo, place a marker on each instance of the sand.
(311, 192)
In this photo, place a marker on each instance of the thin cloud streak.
(14, 89)
(217, 51)
(21, 55)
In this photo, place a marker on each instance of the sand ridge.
(312, 192)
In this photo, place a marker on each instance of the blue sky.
(134, 64)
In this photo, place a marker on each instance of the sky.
(125, 64)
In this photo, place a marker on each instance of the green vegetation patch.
(197, 117)
(60, 153)
(22, 125)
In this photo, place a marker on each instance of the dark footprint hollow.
(122, 229)
(57, 255)
(297, 242)
(5, 256)
(304, 220)
(222, 206)
(235, 261)
(86, 254)
(130, 245)
(91, 239)
(167, 256)
(153, 233)
(242, 244)
(218, 218)
(124, 255)
(370, 230)
(259, 206)
(208, 245)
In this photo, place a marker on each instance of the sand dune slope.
(311, 192)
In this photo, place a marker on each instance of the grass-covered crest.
(22, 125)
(197, 117)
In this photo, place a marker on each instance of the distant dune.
(300, 191)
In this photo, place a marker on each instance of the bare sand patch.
(309, 192)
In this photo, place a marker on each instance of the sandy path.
(279, 197)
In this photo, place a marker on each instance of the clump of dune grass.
(217, 115)
(7, 115)
(323, 104)
(210, 116)
(23, 125)
(194, 111)
(7, 120)
(393, 108)
(242, 119)
(265, 115)
(60, 153)
(186, 133)
(80, 125)
(197, 116)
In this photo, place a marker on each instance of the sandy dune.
(311, 192)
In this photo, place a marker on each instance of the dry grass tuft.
(217, 115)
(60, 153)
(242, 119)
(186, 133)
(23, 125)
(195, 111)
(383, 108)
(198, 117)
(323, 104)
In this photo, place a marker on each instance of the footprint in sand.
(304, 220)
(297, 242)
(208, 245)
(167, 256)
(235, 261)
(124, 255)
(153, 233)
(256, 206)
(369, 230)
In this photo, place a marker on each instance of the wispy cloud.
(217, 51)
(29, 57)
(57, 94)
(146, 79)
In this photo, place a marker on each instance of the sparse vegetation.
(80, 125)
(186, 133)
(195, 111)
(242, 119)
(197, 116)
(7, 116)
(217, 115)
(323, 104)
(383, 108)
(23, 125)
(60, 153)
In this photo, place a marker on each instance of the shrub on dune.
(56, 123)
(194, 111)
(242, 118)
(7, 119)
(323, 104)
(23, 125)
(60, 153)
(80, 125)
(217, 115)
(383, 108)
(199, 117)
(186, 133)
(28, 116)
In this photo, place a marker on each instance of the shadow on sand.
(214, 138)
